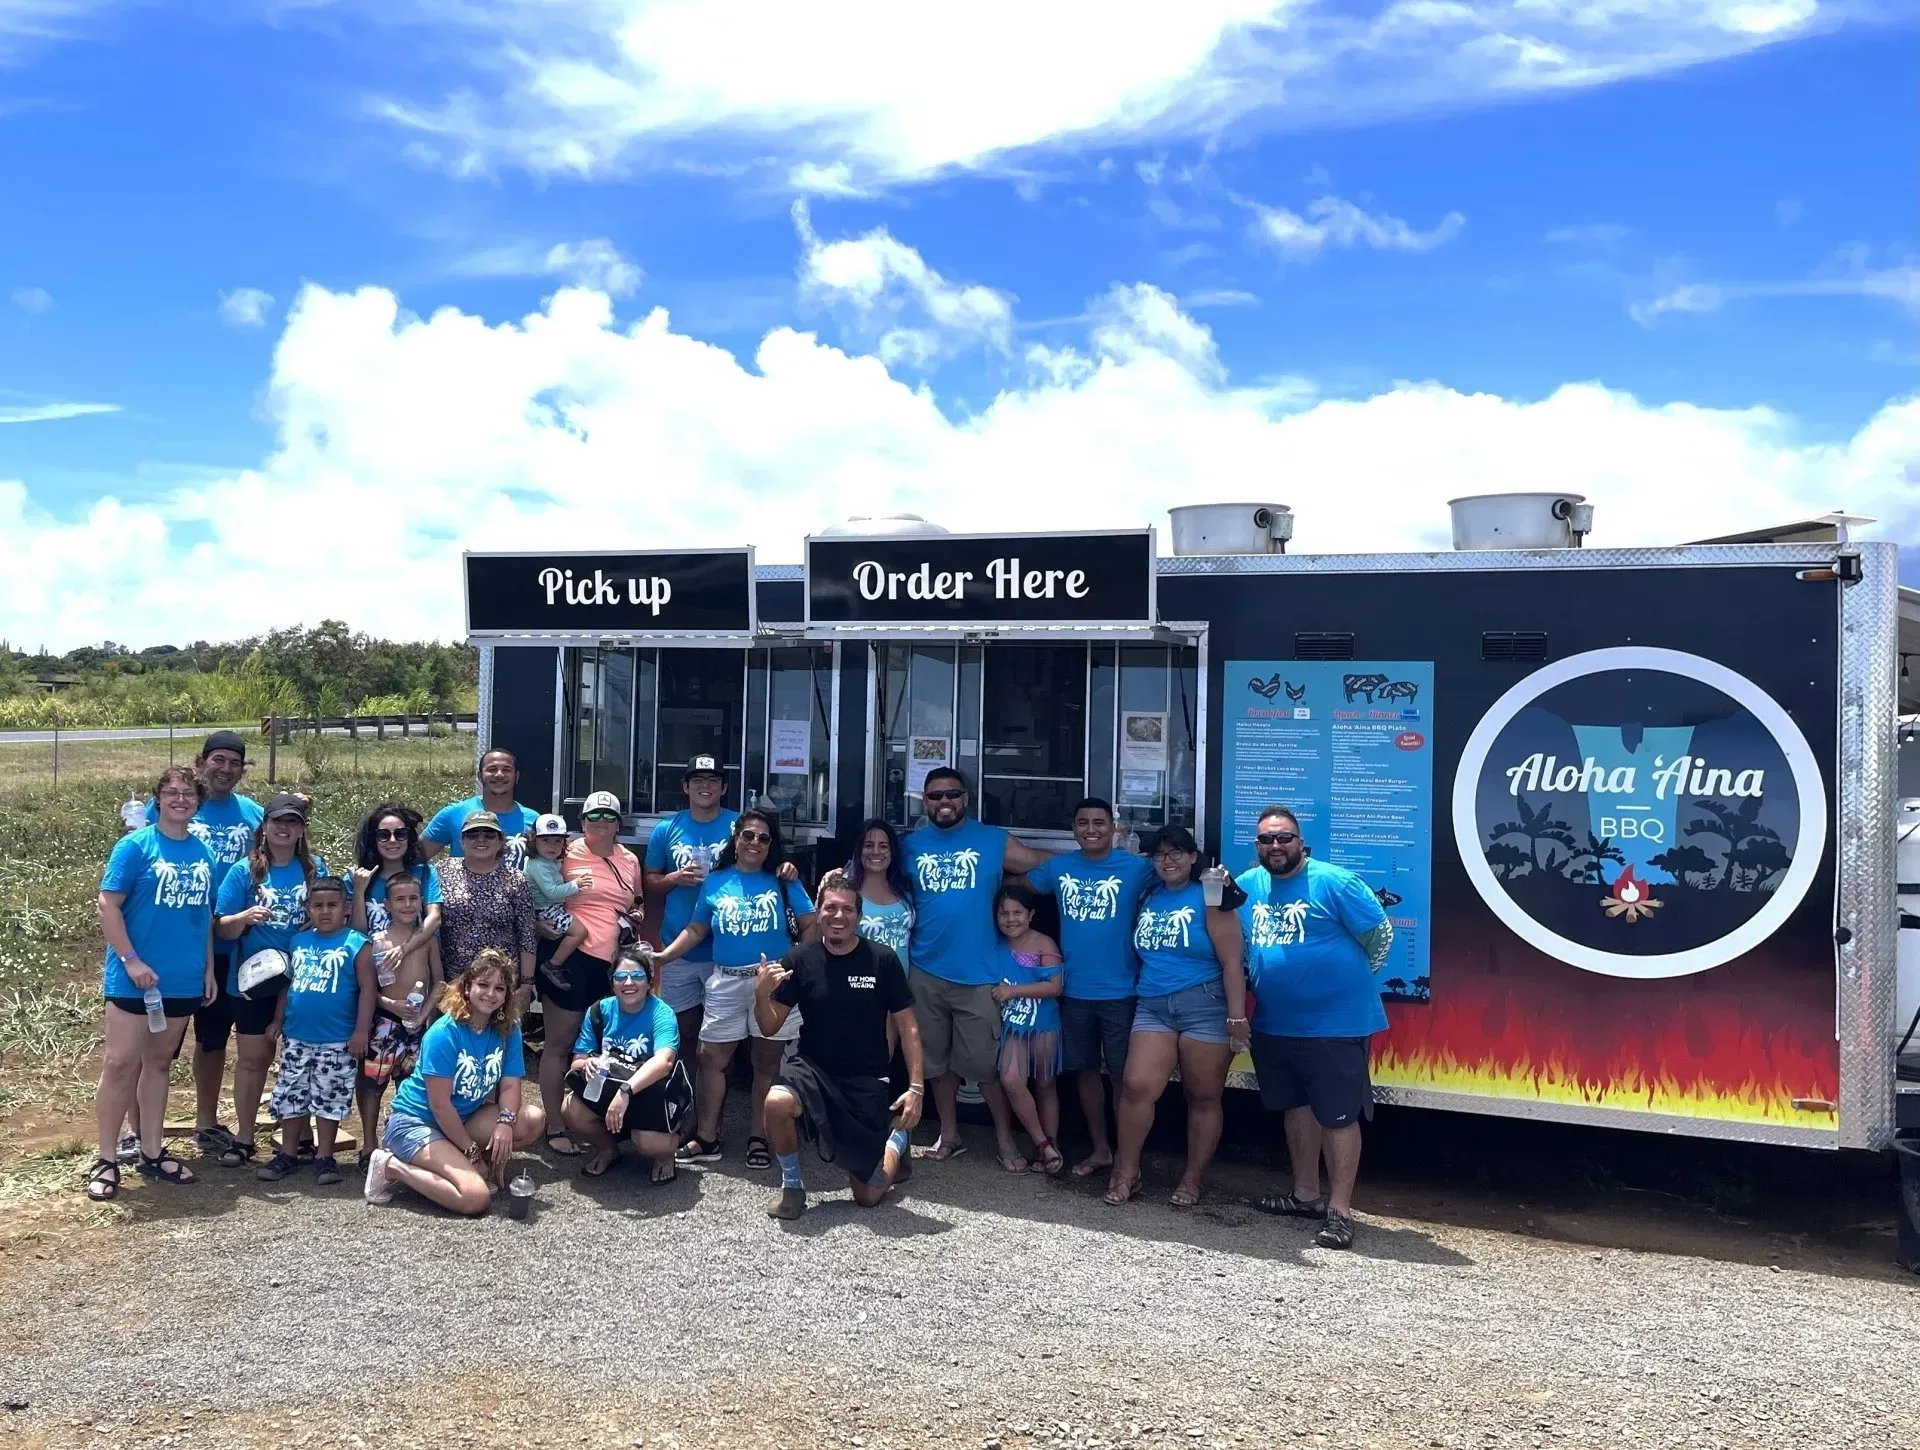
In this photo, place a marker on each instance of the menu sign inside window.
(984, 579)
(595, 596)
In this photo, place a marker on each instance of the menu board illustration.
(1347, 745)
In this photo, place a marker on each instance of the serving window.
(1038, 726)
(635, 717)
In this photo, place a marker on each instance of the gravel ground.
(973, 1307)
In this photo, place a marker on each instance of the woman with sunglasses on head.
(754, 915)
(608, 905)
(1191, 1013)
(626, 1078)
(388, 843)
(485, 903)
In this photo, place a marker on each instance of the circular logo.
(1409, 740)
(1640, 812)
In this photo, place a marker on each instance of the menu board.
(1347, 745)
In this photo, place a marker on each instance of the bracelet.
(1241, 1020)
(918, 1089)
(506, 1115)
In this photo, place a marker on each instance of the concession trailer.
(1633, 812)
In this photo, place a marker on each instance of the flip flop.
(664, 1172)
(604, 1160)
(1007, 1163)
(1183, 1198)
(554, 1140)
(1119, 1193)
(942, 1150)
(1086, 1168)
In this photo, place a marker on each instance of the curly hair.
(183, 775)
(776, 848)
(366, 849)
(455, 999)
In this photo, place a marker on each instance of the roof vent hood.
(861, 526)
(1521, 520)
(1231, 528)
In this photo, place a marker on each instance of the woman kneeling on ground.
(626, 1077)
(447, 1137)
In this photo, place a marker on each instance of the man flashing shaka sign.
(835, 1086)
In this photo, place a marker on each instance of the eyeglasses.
(387, 833)
(1171, 858)
(944, 795)
(601, 816)
(1276, 838)
(180, 794)
(759, 836)
(631, 977)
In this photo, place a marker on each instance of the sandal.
(1336, 1232)
(1051, 1159)
(1087, 1167)
(1288, 1205)
(1008, 1161)
(664, 1172)
(554, 1140)
(942, 1150)
(164, 1167)
(1119, 1192)
(103, 1180)
(599, 1163)
(306, 1153)
(212, 1141)
(239, 1153)
(698, 1150)
(1183, 1198)
(759, 1154)
(326, 1171)
(276, 1168)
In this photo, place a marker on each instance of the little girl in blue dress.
(1031, 981)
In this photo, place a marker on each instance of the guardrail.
(282, 728)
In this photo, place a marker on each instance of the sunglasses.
(944, 795)
(631, 977)
(387, 833)
(601, 816)
(484, 833)
(1276, 838)
(760, 836)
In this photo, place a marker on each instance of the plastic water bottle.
(416, 1000)
(597, 1081)
(156, 1009)
(133, 813)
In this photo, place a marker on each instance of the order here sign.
(996, 579)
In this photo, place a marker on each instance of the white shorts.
(683, 984)
(729, 1014)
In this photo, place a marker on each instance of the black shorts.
(1328, 1074)
(659, 1107)
(589, 979)
(1091, 1031)
(227, 1014)
(176, 1007)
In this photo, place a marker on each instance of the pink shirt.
(615, 880)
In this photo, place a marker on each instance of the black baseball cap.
(702, 765)
(224, 740)
(288, 804)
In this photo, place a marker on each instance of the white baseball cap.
(550, 825)
(260, 969)
(600, 800)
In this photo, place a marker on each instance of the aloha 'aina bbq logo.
(1640, 812)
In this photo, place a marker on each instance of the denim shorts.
(1197, 1012)
(407, 1137)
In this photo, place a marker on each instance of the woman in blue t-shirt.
(879, 870)
(1191, 1014)
(753, 916)
(626, 1078)
(459, 1117)
(156, 912)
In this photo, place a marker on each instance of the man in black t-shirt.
(835, 1086)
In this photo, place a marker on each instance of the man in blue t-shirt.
(499, 776)
(1099, 890)
(1316, 936)
(224, 824)
(956, 866)
(680, 854)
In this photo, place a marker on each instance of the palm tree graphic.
(1537, 824)
(963, 868)
(1293, 922)
(1594, 853)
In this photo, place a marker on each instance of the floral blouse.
(494, 910)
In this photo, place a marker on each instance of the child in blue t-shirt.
(1031, 981)
(324, 1017)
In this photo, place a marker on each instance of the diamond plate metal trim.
(1865, 905)
(1472, 560)
(483, 729)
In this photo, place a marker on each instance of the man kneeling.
(835, 1086)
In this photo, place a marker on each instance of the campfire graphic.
(1629, 898)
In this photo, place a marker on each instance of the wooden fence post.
(273, 747)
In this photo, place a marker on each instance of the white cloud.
(887, 282)
(562, 429)
(812, 179)
(1593, 236)
(1899, 285)
(1218, 297)
(891, 93)
(245, 307)
(33, 299)
(1333, 221)
(53, 412)
(594, 263)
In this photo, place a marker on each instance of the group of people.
(915, 967)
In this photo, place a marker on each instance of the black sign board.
(982, 579)
(593, 596)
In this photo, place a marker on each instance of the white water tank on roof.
(1231, 528)
(861, 526)
(1520, 520)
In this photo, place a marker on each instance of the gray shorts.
(1095, 1031)
(959, 1027)
(683, 984)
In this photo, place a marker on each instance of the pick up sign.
(589, 597)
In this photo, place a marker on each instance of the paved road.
(152, 732)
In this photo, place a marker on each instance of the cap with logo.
(600, 800)
(224, 740)
(703, 765)
(550, 825)
(480, 821)
(288, 804)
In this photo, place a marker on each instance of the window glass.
(646, 668)
(603, 712)
(799, 753)
(914, 687)
(1154, 735)
(1033, 734)
(702, 711)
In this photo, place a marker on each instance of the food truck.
(1632, 811)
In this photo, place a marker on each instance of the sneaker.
(695, 1151)
(276, 1168)
(791, 1203)
(379, 1187)
(326, 1172)
(129, 1149)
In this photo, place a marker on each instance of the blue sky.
(1255, 245)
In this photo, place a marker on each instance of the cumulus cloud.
(1333, 221)
(245, 307)
(562, 429)
(595, 262)
(33, 300)
(916, 313)
(589, 87)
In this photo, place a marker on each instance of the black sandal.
(239, 1154)
(1336, 1232)
(1288, 1205)
(759, 1154)
(163, 1167)
(100, 1187)
(697, 1150)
